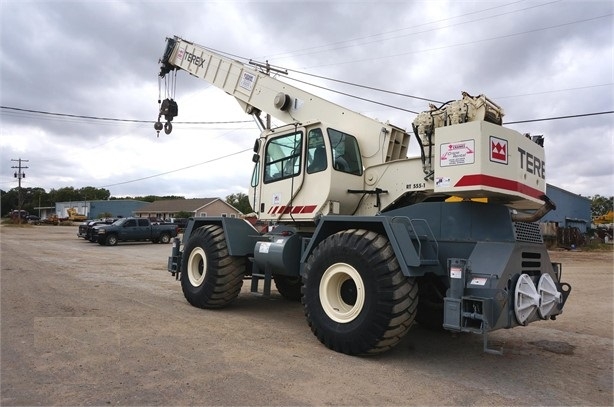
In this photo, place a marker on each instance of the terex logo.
(179, 56)
(498, 150)
(198, 61)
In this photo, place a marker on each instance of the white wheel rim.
(331, 293)
(195, 274)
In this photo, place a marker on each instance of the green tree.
(600, 205)
(240, 202)
(94, 194)
(8, 200)
(30, 198)
(183, 214)
(65, 194)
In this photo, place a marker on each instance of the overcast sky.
(537, 59)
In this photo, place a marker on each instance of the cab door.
(128, 230)
(279, 171)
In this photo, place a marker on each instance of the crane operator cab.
(305, 172)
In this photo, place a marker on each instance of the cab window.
(282, 158)
(316, 152)
(346, 154)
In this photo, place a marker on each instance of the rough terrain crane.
(368, 239)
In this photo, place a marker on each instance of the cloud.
(99, 59)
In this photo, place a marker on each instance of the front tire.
(111, 240)
(356, 298)
(210, 277)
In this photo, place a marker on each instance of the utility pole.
(19, 174)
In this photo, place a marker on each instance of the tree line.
(36, 197)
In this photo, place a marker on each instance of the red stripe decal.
(309, 209)
(496, 182)
(297, 209)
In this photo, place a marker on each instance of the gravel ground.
(84, 324)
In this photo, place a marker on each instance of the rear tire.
(288, 287)
(355, 296)
(165, 238)
(210, 277)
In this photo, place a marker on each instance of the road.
(84, 324)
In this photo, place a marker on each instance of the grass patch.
(598, 247)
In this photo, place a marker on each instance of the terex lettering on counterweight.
(532, 164)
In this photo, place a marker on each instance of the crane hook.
(168, 127)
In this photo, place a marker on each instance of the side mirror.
(256, 146)
(255, 158)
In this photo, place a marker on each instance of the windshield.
(119, 222)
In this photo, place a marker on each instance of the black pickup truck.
(85, 229)
(133, 229)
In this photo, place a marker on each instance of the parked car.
(182, 223)
(85, 229)
(133, 229)
(33, 219)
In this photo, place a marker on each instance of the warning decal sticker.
(247, 81)
(459, 153)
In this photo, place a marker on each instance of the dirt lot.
(83, 324)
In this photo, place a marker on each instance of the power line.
(465, 43)
(359, 43)
(178, 169)
(243, 151)
(356, 97)
(553, 91)
(111, 118)
(360, 86)
(561, 117)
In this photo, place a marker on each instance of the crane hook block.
(169, 109)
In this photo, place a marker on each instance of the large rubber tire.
(356, 299)
(210, 277)
(288, 287)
